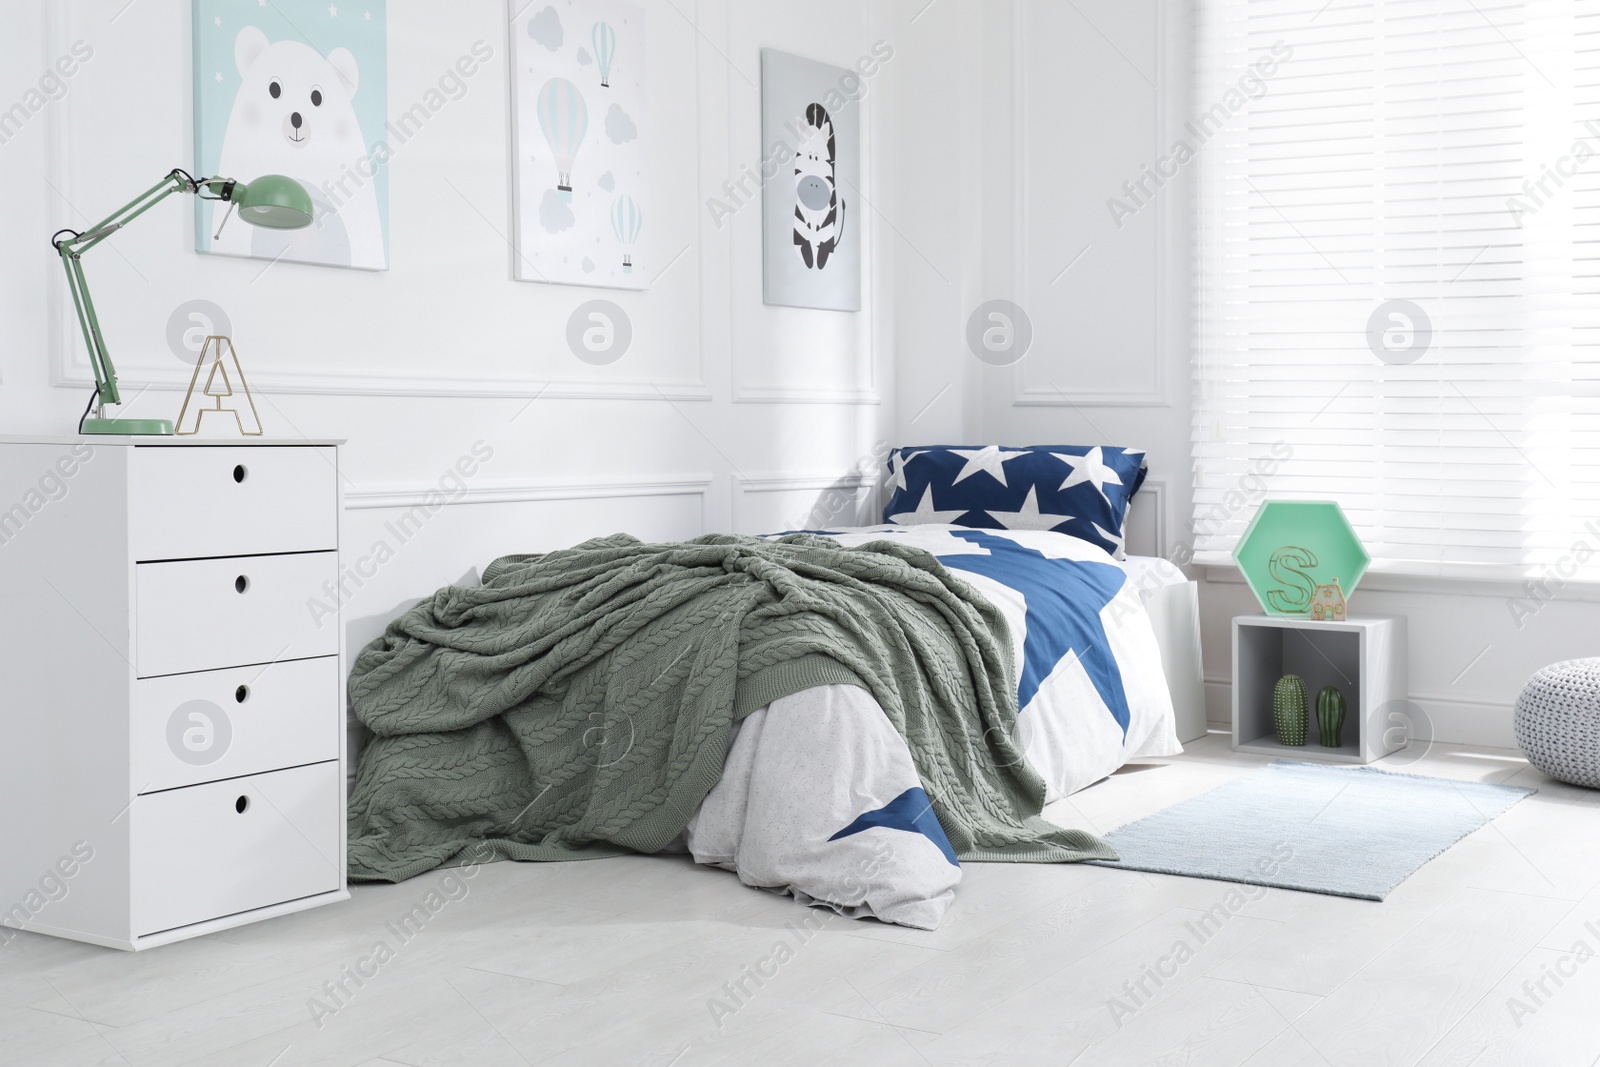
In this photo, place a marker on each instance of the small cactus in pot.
(1290, 716)
(1330, 716)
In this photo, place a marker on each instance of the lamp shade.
(273, 201)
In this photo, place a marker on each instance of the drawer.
(202, 614)
(186, 503)
(192, 728)
(212, 850)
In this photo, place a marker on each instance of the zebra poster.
(578, 105)
(811, 196)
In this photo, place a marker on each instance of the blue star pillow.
(1071, 489)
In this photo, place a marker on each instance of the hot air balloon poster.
(578, 103)
(811, 208)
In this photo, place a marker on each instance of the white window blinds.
(1410, 163)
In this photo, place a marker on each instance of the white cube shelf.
(1364, 657)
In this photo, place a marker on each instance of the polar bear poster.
(297, 88)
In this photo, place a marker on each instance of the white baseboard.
(1453, 721)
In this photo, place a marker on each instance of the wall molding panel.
(415, 495)
(78, 374)
(1147, 520)
(145, 367)
(862, 387)
(783, 395)
(856, 484)
(1024, 394)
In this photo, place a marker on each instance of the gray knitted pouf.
(1558, 721)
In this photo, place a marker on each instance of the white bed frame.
(1175, 614)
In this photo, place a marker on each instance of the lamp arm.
(71, 250)
(105, 376)
(176, 181)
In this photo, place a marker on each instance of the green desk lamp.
(271, 200)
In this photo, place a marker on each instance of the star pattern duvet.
(819, 796)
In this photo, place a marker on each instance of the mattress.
(1148, 573)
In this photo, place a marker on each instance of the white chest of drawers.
(171, 685)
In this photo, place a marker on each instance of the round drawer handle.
(241, 584)
(240, 472)
(241, 805)
(241, 694)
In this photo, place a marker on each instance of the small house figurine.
(1327, 603)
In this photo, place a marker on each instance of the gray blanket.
(579, 703)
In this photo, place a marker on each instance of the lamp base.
(128, 427)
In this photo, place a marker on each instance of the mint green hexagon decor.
(1302, 557)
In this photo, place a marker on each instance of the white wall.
(1102, 88)
(725, 413)
(1085, 106)
(1050, 108)
(994, 138)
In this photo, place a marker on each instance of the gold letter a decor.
(218, 386)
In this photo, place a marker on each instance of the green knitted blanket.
(578, 704)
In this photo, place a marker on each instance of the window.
(1398, 276)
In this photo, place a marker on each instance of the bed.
(819, 796)
(820, 792)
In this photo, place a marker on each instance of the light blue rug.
(1343, 831)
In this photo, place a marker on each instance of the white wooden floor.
(620, 962)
